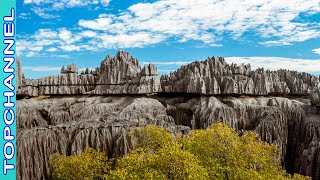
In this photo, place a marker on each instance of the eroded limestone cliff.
(283, 107)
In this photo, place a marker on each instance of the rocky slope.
(282, 106)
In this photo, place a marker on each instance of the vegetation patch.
(215, 153)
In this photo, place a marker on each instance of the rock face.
(283, 107)
(214, 76)
(19, 74)
(69, 125)
(303, 155)
(123, 75)
(119, 75)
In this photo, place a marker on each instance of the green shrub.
(88, 165)
(216, 153)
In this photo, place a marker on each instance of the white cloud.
(37, 48)
(97, 24)
(46, 40)
(60, 4)
(32, 45)
(90, 34)
(206, 21)
(71, 48)
(270, 63)
(166, 71)
(276, 63)
(45, 34)
(167, 63)
(317, 51)
(42, 12)
(24, 16)
(139, 39)
(41, 68)
(60, 56)
(52, 49)
(276, 21)
(65, 40)
(31, 54)
(49, 68)
(65, 35)
(45, 8)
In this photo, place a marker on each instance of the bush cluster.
(215, 153)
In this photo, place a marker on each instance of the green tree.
(215, 153)
(167, 163)
(156, 155)
(88, 165)
(226, 155)
(151, 138)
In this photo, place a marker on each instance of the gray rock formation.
(315, 95)
(19, 73)
(123, 75)
(69, 125)
(303, 154)
(214, 76)
(283, 107)
(71, 68)
(119, 75)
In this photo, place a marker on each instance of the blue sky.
(267, 33)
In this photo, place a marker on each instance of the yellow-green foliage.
(216, 153)
(226, 155)
(41, 97)
(151, 138)
(157, 156)
(300, 177)
(169, 162)
(89, 165)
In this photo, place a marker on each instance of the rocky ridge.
(283, 107)
(214, 76)
(121, 74)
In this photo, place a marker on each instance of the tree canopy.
(215, 153)
(88, 165)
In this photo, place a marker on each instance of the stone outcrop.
(283, 107)
(121, 74)
(214, 77)
(315, 95)
(303, 154)
(69, 125)
(19, 74)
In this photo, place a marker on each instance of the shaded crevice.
(181, 116)
(46, 116)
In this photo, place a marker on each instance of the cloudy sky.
(267, 33)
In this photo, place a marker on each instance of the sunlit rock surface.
(121, 74)
(214, 76)
(97, 108)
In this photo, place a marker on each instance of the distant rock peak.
(122, 74)
(71, 68)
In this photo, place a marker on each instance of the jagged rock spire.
(123, 74)
(19, 74)
(71, 68)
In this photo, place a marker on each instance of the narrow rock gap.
(45, 115)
